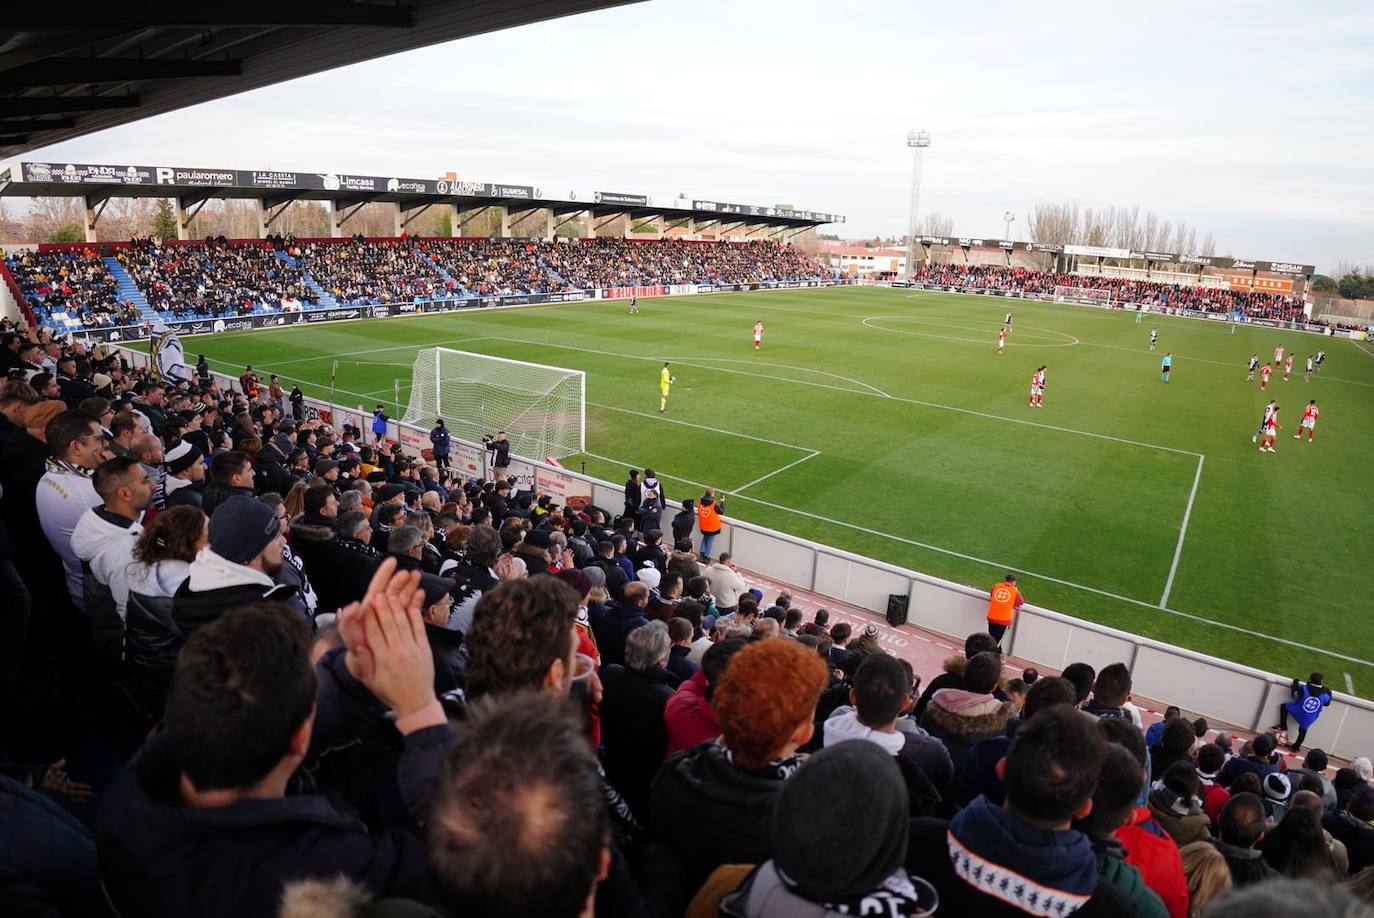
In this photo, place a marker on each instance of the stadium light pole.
(918, 141)
(1008, 218)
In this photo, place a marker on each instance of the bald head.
(146, 448)
(636, 594)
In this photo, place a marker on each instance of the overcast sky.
(1252, 120)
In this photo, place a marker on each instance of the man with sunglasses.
(66, 490)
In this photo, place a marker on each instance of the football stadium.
(390, 545)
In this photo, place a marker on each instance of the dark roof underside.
(69, 69)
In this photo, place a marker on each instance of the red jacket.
(1150, 849)
(688, 715)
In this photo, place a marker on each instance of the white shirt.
(62, 497)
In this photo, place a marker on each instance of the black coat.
(192, 610)
(151, 642)
(439, 436)
(615, 576)
(711, 813)
(216, 494)
(633, 736)
(159, 857)
(48, 856)
(683, 524)
(1357, 836)
(634, 496)
(653, 554)
(500, 453)
(339, 569)
(616, 625)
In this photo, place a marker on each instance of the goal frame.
(580, 375)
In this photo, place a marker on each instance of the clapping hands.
(387, 648)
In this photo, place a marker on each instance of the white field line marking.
(1011, 567)
(308, 382)
(1366, 351)
(789, 465)
(730, 433)
(895, 398)
(1182, 532)
(1349, 684)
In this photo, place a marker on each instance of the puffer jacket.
(214, 585)
(959, 719)
(104, 548)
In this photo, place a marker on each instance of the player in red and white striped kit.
(1288, 368)
(1037, 388)
(1278, 356)
(1271, 432)
(1265, 373)
(1309, 421)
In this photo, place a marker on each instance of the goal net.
(541, 408)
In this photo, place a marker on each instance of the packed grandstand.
(75, 287)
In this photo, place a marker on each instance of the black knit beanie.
(841, 824)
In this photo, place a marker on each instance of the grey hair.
(350, 500)
(646, 645)
(349, 523)
(403, 539)
(1284, 898)
(421, 520)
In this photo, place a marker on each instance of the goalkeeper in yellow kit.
(665, 381)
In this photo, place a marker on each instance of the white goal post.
(1090, 294)
(542, 409)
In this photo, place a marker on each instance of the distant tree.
(164, 220)
(1356, 286)
(935, 224)
(67, 232)
(444, 225)
(1322, 283)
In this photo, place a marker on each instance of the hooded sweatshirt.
(100, 541)
(215, 584)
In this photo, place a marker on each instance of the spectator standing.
(634, 737)
(66, 490)
(200, 823)
(103, 540)
(688, 715)
(684, 521)
(713, 804)
(1003, 601)
(634, 494)
(1241, 829)
(185, 482)
(297, 399)
(1308, 700)
(623, 617)
(499, 447)
(1050, 772)
(726, 583)
(237, 568)
(862, 866)
(440, 442)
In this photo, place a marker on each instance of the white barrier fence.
(1216, 689)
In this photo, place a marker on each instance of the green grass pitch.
(883, 421)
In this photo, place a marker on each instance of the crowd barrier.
(1217, 689)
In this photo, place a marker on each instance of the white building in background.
(862, 261)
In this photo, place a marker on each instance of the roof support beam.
(31, 124)
(173, 14)
(51, 105)
(75, 71)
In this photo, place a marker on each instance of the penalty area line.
(789, 465)
(1019, 570)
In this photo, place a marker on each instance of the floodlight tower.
(918, 141)
(1008, 218)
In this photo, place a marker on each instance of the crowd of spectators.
(362, 271)
(214, 278)
(252, 667)
(217, 278)
(1254, 304)
(70, 289)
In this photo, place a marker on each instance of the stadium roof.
(194, 185)
(77, 67)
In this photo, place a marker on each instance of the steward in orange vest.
(1003, 600)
